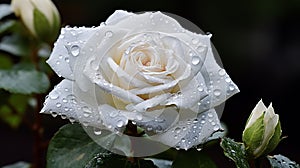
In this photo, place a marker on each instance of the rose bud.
(141, 69)
(262, 132)
(40, 17)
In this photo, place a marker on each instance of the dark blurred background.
(258, 42)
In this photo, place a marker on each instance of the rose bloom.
(143, 68)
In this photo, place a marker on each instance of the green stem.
(38, 150)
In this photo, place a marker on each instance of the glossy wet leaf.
(193, 159)
(19, 164)
(280, 161)
(16, 45)
(5, 10)
(235, 151)
(24, 81)
(72, 147)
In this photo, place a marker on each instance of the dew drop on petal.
(139, 117)
(222, 72)
(108, 34)
(64, 100)
(67, 59)
(63, 116)
(216, 128)
(228, 80)
(97, 131)
(72, 119)
(231, 87)
(217, 92)
(177, 130)
(86, 111)
(120, 123)
(200, 89)
(113, 114)
(195, 60)
(58, 105)
(75, 50)
(195, 41)
(54, 96)
(54, 114)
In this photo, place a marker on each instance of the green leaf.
(7, 116)
(20, 164)
(5, 10)
(42, 26)
(235, 151)
(274, 141)
(19, 102)
(7, 25)
(72, 147)
(280, 161)
(5, 62)
(16, 45)
(24, 81)
(253, 136)
(193, 159)
(161, 163)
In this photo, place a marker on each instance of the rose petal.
(150, 21)
(62, 101)
(191, 132)
(67, 49)
(117, 16)
(162, 87)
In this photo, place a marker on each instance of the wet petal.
(67, 49)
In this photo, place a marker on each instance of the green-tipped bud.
(41, 18)
(262, 132)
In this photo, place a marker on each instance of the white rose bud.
(41, 17)
(143, 68)
(262, 132)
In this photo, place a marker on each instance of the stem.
(38, 150)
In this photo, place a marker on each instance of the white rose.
(145, 68)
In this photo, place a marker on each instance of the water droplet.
(195, 41)
(109, 34)
(202, 121)
(200, 89)
(231, 87)
(54, 114)
(216, 128)
(222, 72)
(151, 16)
(217, 92)
(63, 116)
(72, 119)
(175, 136)
(67, 59)
(139, 117)
(57, 62)
(54, 96)
(120, 123)
(228, 80)
(113, 114)
(86, 111)
(195, 60)
(97, 131)
(177, 130)
(210, 115)
(58, 105)
(195, 120)
(199, 148)
(183, 140)
(75, 49)
(64, 100)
